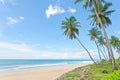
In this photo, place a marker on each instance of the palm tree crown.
(115, 42)
(101, 40)
(103, 13)
(71, 27)
(89, 3)
(94, 33)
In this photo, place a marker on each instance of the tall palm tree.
(101, 24)
(94, 34)
(115, 42)
(70, 26)
(102, 20)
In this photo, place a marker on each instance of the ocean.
(18, 64)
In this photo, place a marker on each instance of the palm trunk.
(103, 54)
(86, 50)
(114, 66)
(98, 50)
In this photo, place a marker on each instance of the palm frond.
(106, 6)
(107, 13)
(76, 1)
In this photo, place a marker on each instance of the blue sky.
(30, 29)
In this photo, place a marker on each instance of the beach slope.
(42, 73)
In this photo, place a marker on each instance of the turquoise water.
(15, 64)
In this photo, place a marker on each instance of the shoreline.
(15, 68)
(40, 73)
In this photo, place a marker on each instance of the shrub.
(113, 76)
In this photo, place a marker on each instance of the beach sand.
(42, 73)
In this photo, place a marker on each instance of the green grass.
(72, 75)
(96, 72)
(99, 71)
(113, 76)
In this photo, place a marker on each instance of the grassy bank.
(90, 72)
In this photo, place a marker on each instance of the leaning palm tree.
(101, 43)
(70, 25)
(94, 4)
(94, 34)
(115, 42)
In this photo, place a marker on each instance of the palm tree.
(118, 50)
(101, 43)
(70, 25)
(94, 4)
(115, 42)
(103, 13)
(102, 20)
(94, 34)
(89, 3)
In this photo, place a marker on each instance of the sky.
(30, 29)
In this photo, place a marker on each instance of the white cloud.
(53, 10)
(56, 9)
(72, 10)
(16, 47)
(21, 17)
(12, 20)
(26, 51)
(11, 2)
(2, 2)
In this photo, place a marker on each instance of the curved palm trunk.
(103, 54)
(86, 50)
(114, 66)
(98, 50)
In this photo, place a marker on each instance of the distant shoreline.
(40, 73)
(17, 65)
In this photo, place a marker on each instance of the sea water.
(17, 64)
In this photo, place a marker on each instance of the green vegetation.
(72, 75)
(99, 71)
(113, 76)
(96, 72)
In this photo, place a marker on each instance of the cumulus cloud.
(12, 20)
(72, 10)
(56, 9)
(53, 10)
